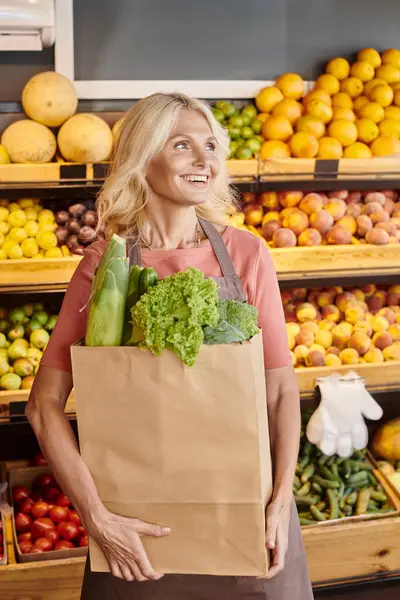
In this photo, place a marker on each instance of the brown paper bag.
(185, 447)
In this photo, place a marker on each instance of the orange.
(267, 98)
(396, 101)
(362, 70)
(312, 125)
(289, 108)
(317, 95)
(329, 83)
(319, 110)
(382, 94)
(373, 111)
(343, 100)
(395, 86)
(352, 86)
(274, 149)
(277, 128)
(343, 113)
(391, 57)
(389, 128)
(371, 56)
(360, 102)
(357, 150)
(383, 146)
(370, 84)
(291, 85)
(262, 117)
(392, 112)
(303, 145)
(329, 148)
(368, 130)
(339, 68)
(343, 131)
(389, 73)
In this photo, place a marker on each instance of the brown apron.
(292, 584)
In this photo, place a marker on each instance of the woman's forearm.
(284, 427)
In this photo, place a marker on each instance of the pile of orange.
(353, 110)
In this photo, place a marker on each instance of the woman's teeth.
(195, 178)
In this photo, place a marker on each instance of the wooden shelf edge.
(344, 168)
(29, 273)
(7, 397)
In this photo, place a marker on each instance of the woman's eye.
(211, 146)
(181, 145)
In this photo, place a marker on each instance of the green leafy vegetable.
(238, 323)
(223, 333)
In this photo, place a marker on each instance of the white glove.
(338, 426)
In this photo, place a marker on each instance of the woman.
(168, 185)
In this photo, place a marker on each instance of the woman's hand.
(119, 539)
(277, 533)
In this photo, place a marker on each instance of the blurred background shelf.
(37, 275)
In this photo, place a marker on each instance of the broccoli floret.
(241, 315)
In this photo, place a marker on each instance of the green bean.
(321, 505)
(357, 477)
(351, 499)
(372, 480)
(378, 496)
(326, 483)
(347, 468)
(317, 514)
(308, 472)
(363, 499)
(296, 482)
(304, 521)
(315, 486)
(304, 461)
(305, 489)
(333, 504)
(304, 500)
(327, 473)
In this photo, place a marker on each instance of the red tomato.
(39, 509)
(40, 461)
(41, 527)
(74, 518)
(50, 505)
(37, 497)
(64, 545)
(22, 522)
(20, 492)
(43, 543)
(25, 537)
(58, 514)
(81, 531)
(67, 530)
(84, 541)
(25, 547)
(53, 536)
(63, 500)
(36, 550)
(26, 506)
(44, 481)
(51, 494)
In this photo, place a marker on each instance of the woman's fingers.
(150, 529)
(127, 572)
(272, 527)
(115, 570)
(137, 573)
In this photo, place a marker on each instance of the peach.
(349, 223)
(311, 326)
(360, 342)
(337, 208)
(389, 315)
(390, 228)
(294, 359)
(379, 323)
(269, 200)
(341, 335)
(374, 355)
(317, 347)
(269, 228)
(377, 301)
(358, 294)
(297, 222)
(394, 289)
(324, 338)
(391, 194)
(326, 325)
(333, 350)
(394, 239)
(253, 213)
(393, 299)
(394, 331)
(373, 207)
(249, 197)
(363, 305)
(311, 203)
(305, 338)
(288, 211)
(310, 237)
(332, 360)
(336, 289)
(375, 197)
(324, 198)
(364, 225)
(363, 326)
(369, 289)
(354, 313)
(289, 311)
(341, 194)
(291, 341)
(325, 297)
(388, 206)
(353, 198)
(315, 358)
(299, 293)
(349, 356)
(284, 238)
(379, 217)
(306, 312)
(395, 221)
(338, 236)
(382, 339)
(286, 296)
(331, 312)
(378, 237)
(272, 215)
(344, 300)
(354, 210)
(301, 353)
(392, 352)
(322, 221)
(292, 329)
(290, 199)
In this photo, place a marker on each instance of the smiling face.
(185, 170)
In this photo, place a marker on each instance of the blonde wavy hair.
(143, 132)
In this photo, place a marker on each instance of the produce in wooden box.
(244, 128)
(24, 334)
(386, 441)
(287, 219)
(29, 142)
(335, 326)
(49, 98)
(76, 225)
(45, 519)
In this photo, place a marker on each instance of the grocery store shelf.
(35, 275)
(327, 262)
(12, 403)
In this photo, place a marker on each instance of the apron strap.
(134, 252)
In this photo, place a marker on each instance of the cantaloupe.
(117, 128)
(29, 142)
(49, 98)
(85, 138)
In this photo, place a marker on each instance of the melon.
(117, 128)
(386, 441)
(85, 138)
(29, 142)
(49, 98)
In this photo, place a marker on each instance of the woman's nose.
(200, 157)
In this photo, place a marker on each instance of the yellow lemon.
(317, 95)
(383, 94)
(389, 73)
(274, 149)
(17, 218)
(329, 148)
(46, 216)
(4, 227)
(362, 70)
(29, 248)
(31, 228)
(4, 157)
(54, 253)
(343, 100)
(18, 234)
(329, 83)
(352, 86)
(26, 203)
(391, 57)
(338, 67)
(289, 108)
(303, 145)
(4, 202)
(395, 86)
(291, 85)
(371, 84)
(320, 110)
(397, 98)
(267, 98)
(1, 239)
(343, 113)
(38, 256)
(8, 244)
(312, 125)
(373, 111)
(343, 131)
(368, 130)
(13, 206)
(4, 213)
(384, 146)
(360, 102)
(392, 112)
(15, 252)
(357, 150)
(46, 240)
(277, 128)
(3, 254)
(31, 214)
(389, 128)
(371, 56)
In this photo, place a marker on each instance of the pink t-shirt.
(250, 258)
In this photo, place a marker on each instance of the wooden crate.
(37, 274)
(22, 396)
